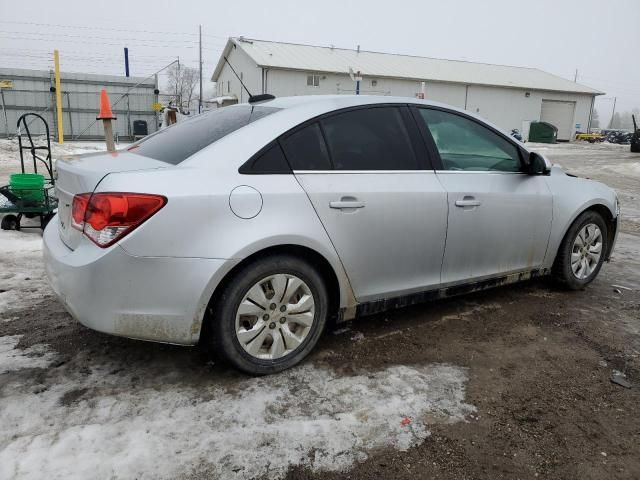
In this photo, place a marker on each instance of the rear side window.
(305, 149)
(270, 160)
(178, 142)
(370, 139)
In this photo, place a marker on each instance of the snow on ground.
(305, 416)
(11, 359)
(88, 417)
(22, 277)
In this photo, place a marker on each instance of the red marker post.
(106, 115)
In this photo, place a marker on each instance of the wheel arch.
(608, 216)
(326, 270)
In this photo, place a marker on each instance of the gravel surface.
(509, 383)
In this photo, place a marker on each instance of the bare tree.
(182, 82)
(595, 119)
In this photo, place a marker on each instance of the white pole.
(200, 99)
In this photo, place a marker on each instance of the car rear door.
(499, 217)
(367, 175)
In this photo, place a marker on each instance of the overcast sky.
(599, 38)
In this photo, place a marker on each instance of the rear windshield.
(178, 142)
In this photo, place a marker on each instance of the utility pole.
(178, 84)
(575, 77)
(613, 112)
(56, 62)
(126, 61)
(200, 97)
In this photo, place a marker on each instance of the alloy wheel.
(586, 251)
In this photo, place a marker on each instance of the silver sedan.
(251, 226)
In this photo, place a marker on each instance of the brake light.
(106, 217)
(78, 209)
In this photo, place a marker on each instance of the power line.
(70, 35)
(108, 29)
(74, 53)
(111, 44)
(41, 39)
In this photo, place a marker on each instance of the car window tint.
(181, 140)
(305, 149)
(369, 139)
(271, 160)
(464, 144)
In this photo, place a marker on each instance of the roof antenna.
(252, 98)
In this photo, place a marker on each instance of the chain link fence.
(33, 91)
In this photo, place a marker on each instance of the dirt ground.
(518, 383)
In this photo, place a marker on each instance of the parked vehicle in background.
(635, 137)
(590, 137)
(515, 133)
(250, 227)
(621, 137)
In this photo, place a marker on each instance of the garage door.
(559, 114)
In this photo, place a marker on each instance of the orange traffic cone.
(106, 115)
(105, 107)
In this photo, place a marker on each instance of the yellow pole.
(56, 58)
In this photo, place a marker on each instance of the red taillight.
(78, 209)
(106, 217)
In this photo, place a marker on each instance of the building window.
(374, 83)
(313, 80)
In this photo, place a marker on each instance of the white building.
(510, 97)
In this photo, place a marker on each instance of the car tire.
(570, 269)
(229, 330)
(635, 148)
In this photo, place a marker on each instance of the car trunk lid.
(82, 174)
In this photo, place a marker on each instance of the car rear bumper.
(149, 298)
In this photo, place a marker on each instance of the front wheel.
(270, 315)
(582, 251)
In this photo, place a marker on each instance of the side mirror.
(536, 164)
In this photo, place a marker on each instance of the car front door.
(367, 175)
(499, 218)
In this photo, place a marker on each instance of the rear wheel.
(582, 251)
(270, 315)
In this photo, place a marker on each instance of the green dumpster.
(542, 132)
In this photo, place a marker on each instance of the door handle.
(345, 204)
(468, 201)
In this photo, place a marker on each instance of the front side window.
(305, 149)
(464, 144)
(181, 140)
(370, 139)
(313, 80)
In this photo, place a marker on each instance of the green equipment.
(542, 132)
(30, 194)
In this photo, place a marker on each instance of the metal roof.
(310, 58)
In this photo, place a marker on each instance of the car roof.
(342, 101)
(314, 105)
